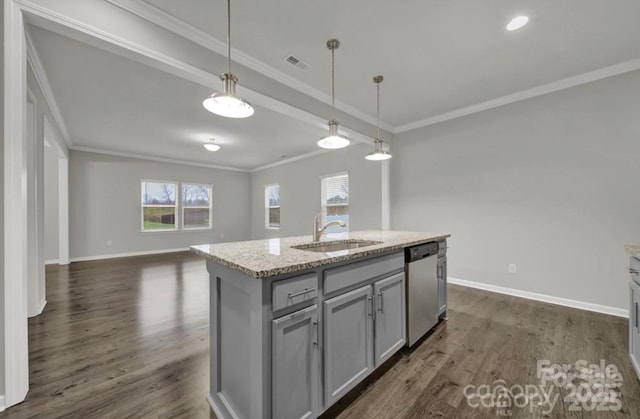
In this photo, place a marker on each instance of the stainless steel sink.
(335, 246)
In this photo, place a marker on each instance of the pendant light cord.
(229, 36)
(378, 111)
(333, 83)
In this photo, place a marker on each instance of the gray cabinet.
(390, 330)
(348, 342)
(295, 365)
(442, 286)
(362, 329)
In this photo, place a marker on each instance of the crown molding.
(544, 89)
(157, 16)
(155, 158)
(45, 87)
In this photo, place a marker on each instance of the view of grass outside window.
(272, 206)
(175, 205)
(159, 205)
(196, 205)
(335, 201)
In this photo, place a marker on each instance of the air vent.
(296, 62)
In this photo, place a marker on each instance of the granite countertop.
(273, 257)
(633, 250)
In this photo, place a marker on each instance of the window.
(196, 205)
(159, 205)
(335, 201)
(175, 205)
(272, 206)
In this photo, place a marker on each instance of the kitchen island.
(296, 325)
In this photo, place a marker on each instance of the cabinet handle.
(637, 316)
(299, 293)
(633, 271)
(370, 306)
(316, 324)
(381, 308)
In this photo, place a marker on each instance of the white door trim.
(16, 352)
(63, 209)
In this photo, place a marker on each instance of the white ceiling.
(111, 103)
(437, 56)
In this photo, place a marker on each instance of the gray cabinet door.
(348, 342)
(442, 285)
(390, 331)
(295, 365)
(634, 325)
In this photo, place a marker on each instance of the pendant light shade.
(227, 103)
(333, 140)
(378, 153)
(211, 146)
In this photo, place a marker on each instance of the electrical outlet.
(513, 268)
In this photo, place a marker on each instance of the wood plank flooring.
(128, 338)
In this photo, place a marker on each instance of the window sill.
(176, 230)
(271, 228)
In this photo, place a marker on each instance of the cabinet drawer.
(290, 292)
(345, 276)
(634, 269)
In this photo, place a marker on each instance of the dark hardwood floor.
(129, 338)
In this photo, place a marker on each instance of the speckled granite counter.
(273, 257)
(633, 250)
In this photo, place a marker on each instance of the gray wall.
(51, 220)
(2, 378)
(549, 183)
(300, 191)
(104, 204)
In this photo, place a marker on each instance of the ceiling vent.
(296, 62)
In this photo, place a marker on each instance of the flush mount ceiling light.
(211, 146)
(517, 23)
(333, 140)
(227, 103)
(378, 152)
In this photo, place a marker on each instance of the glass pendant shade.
(334, 140)
(378, 152)
(227, 103)
(211, 146)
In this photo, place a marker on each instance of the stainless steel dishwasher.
(421, 266)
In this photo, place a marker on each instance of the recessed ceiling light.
(517, 22)
(211, 146)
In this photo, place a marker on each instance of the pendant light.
(227, 103)
(212, 146)
(378, 152)
(333, 140)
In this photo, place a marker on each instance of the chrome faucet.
(317, 230)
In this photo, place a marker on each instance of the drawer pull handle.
(299, 293)
(633, 271)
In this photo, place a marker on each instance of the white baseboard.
(613, 311)
(52, 261)
(124, 255)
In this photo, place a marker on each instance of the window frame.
(182, 206)
(143, 205)
(323, 198)
(267, 207)
(179, 207)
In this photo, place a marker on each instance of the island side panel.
(237, 357)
